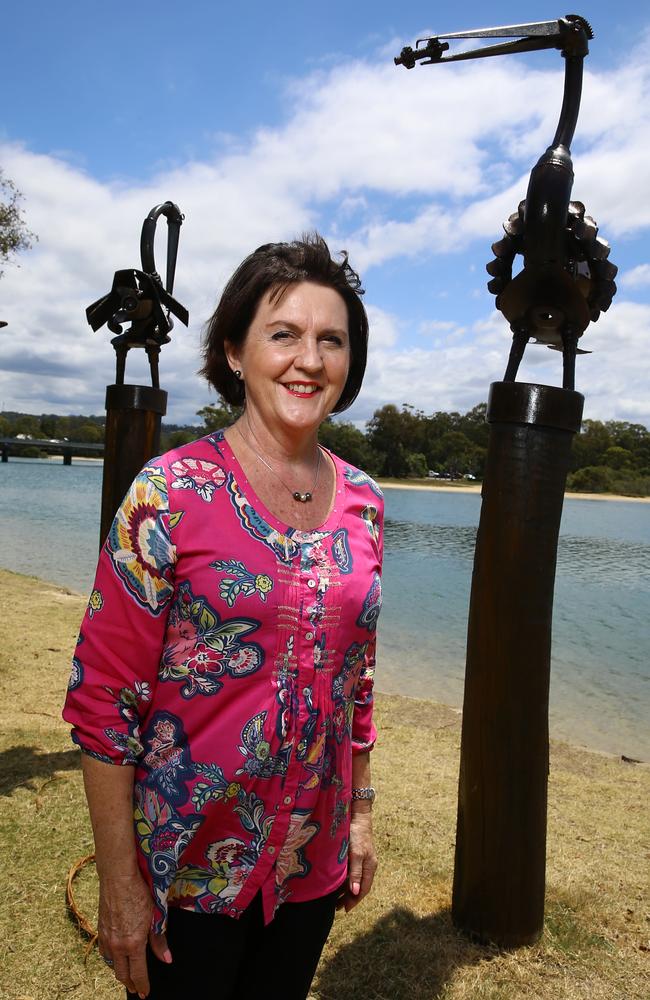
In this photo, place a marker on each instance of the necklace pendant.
(302, 497)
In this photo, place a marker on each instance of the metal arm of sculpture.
(566, 280)
(139, 298)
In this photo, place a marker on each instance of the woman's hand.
(125, 903)
(362, 861)
(125, 908)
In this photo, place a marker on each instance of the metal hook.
(175, 219)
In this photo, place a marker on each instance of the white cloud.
(384, 328)
(394, 165)
(637, 277)
(440, 326)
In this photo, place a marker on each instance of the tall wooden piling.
(133, 420)
(500, 862)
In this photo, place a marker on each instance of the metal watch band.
(364, 793)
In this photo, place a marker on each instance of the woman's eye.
(281, 335)
(335, 339)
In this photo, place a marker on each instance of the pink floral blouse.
(230, 659)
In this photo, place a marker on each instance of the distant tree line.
(52, 427)
(607, 457)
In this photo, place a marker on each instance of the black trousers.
(218, 958)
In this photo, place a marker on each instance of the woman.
(227, 657)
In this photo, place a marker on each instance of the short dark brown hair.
(276, 266)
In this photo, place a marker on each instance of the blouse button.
(309, 636)
(311, 583)
(287, 800)
(271, 849)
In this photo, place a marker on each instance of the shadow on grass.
(23, 764)
(403, 957)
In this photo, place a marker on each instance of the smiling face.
(295, 358)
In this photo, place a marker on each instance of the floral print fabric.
(230, 659)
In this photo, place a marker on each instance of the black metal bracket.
(570, 34)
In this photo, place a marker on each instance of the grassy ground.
(400, 944)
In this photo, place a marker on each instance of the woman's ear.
(232, 356)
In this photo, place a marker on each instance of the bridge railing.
(67, 449)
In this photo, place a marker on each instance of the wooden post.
(499, 875)
(133, 417)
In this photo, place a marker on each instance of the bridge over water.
(65, 448)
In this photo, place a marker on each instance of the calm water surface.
(600, 682)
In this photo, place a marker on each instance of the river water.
(600, 680)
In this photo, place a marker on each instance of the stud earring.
(237, 373)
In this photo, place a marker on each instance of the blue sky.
(262, 121)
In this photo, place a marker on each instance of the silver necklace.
(296, 494)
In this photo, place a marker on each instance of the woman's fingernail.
(167, 956)
(356, 888)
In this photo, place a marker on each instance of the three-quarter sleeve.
(364, 732)
(115, 667)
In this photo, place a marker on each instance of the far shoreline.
(421, 484)
(437, 487)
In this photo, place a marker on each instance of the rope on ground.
(82, 922)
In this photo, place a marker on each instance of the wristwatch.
(367, 794)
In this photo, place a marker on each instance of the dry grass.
(400, 945)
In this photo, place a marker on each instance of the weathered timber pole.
(501, 833)
(133, 418)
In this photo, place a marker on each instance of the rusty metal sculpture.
(134, 412)
(565, 282)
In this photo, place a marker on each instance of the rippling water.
(600, 682)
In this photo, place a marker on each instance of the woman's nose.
(309, 357)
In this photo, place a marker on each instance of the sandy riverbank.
(407, 484)
(401, 942)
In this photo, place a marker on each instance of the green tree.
(626, 435)
(49, 425)
(350, 444)
(183, 435)
(216, 417)
(416, 464)
(618, 458)
(592, 479)
(62, 428)
(474, 425)
(27, 425)
(455, 453)
(14, 234)
(590, 444)
(388, 430)
(90, 434)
